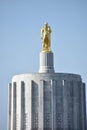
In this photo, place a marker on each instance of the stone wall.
(47, 102)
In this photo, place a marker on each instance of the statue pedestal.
(46, 62)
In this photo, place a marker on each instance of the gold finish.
(45, 36)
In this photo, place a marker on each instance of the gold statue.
(45, 36)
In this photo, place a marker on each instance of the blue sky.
(20, 42)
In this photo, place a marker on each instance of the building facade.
(47, 100)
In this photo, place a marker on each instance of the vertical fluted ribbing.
(53, 100)
(76, 108)
(79, 106)
(34, 102)
(13, 107)
(83, 106)
(47, 105)
(59, 105)
(29, 86)
(22, 111)
(41, 105)
(9, 103)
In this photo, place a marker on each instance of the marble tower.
(47, 100)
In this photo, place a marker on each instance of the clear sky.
(20, 42)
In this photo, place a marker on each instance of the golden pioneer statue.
(45, 36)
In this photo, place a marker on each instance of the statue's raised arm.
(46, 38)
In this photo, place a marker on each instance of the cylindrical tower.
(47, 100)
